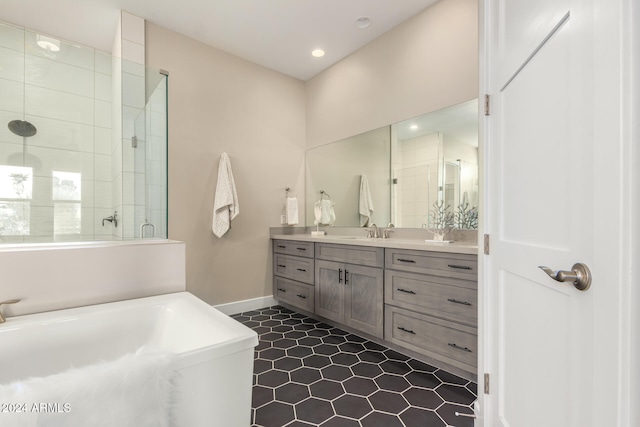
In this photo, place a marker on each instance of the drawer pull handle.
(346, 276)
(407, 260)
(281, 265)
(406, 291)
(301, 269)
(454, 345)
(282, 247)
(301, 249)
(458, 302)
(301, 296)
(459, 267)
(339, 275)
(282, 290)
(409, 331)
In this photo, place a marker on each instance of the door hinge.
(486, 383)
(487, 104)
(487, 248)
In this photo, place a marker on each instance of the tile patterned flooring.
(308, 373)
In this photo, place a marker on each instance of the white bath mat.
(133, 391)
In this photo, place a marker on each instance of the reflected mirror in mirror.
(409, 166)
(435, 158)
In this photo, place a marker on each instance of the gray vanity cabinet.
(293, 273)
(431, 305)
(348, 293)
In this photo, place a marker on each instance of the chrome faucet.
(112, 218)
(11, 301)
(145, 225)
(373, 231)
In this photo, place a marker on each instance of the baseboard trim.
(246, 305)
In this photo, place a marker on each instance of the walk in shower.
(83, 143)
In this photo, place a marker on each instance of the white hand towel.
(292, 210)
(225, 203)
(365, 206)
(324, 212)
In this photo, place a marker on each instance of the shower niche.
(83, 137)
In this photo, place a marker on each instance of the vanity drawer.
(292, 247)
(358, 255)
(296, 268)
(294, 293)
(461, 266)
(451, 299)
(440, 339)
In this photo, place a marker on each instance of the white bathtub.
(213, 353)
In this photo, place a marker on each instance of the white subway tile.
(44, 72)
(69, 53)
(133, 90)
(103, 167)
(132, 52)
(102, 113)
(103, 90)
(11, 64)
(103, 195)
(61, 134)
(12, 37)
(12, 99)
(58, 105)
(46, 160)
(103, 62)
(102, 140)
(132, 28)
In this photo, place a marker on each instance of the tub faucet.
(11, 301)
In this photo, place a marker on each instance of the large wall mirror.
(409, 168)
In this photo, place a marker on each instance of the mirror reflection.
(409, 168)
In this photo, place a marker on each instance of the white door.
(554, 197)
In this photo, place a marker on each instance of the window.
(67, 209)
(16, 187)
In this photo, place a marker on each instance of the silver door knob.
(580, 275)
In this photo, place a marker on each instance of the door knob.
(580, 275)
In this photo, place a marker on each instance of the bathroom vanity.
(404, 293)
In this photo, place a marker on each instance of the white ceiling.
(278, 34)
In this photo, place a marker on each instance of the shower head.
(22, 128)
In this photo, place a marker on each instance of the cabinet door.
(363, 302)
(329, 287)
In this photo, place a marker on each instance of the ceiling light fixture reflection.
(318, 53)
(413, 127)
(48, 43)
(363, 22)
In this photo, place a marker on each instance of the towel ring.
(322, 193)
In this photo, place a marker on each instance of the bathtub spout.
(11, 301)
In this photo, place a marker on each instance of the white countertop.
(413, 244)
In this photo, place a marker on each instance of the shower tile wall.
(67, 95)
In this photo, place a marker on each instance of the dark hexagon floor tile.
(360, 386)
(338, 331)
(392, 383)
(305, 375)
(391, 366)
(261, 330)
(365, 369)
(272, 353)
(271, 336)
(291, 322)
(378, 419)
(273, 378)
(299, 351)
(345, 359)
(282, 316)
(270, 311)
(250, 313)
(270, 323)
(251, 324)
(310, 321)
(351, 347)
(314, 410)
(318, 333)
(261, 396)
(339, 421)
(450, 378)
(326, 389)
(294, 335)
(323, 325)
(448, 413)
(456, 394)
(298, 316)
(473, 388)
(370, 345)
(355, 338)
(284, 343)
(298, 423)
(260, 366)
(423, 379)
(303, 327)
(394, 355)
(333, 339)
(386, 401)
(291, 393)
(326, 349)
(372, 356)
(316, 361)
(259, 318)
(427, 399)
(416, 417)
(309, 341)
(336, 372)
(421, 366)
(282, 329)
(287, 363)
(352, 406)
(274, 414)
(262, 345)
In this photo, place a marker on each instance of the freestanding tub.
(212, 353)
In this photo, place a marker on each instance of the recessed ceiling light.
(48, 43)
(318, 53)
(363, 22)
(413, 127)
